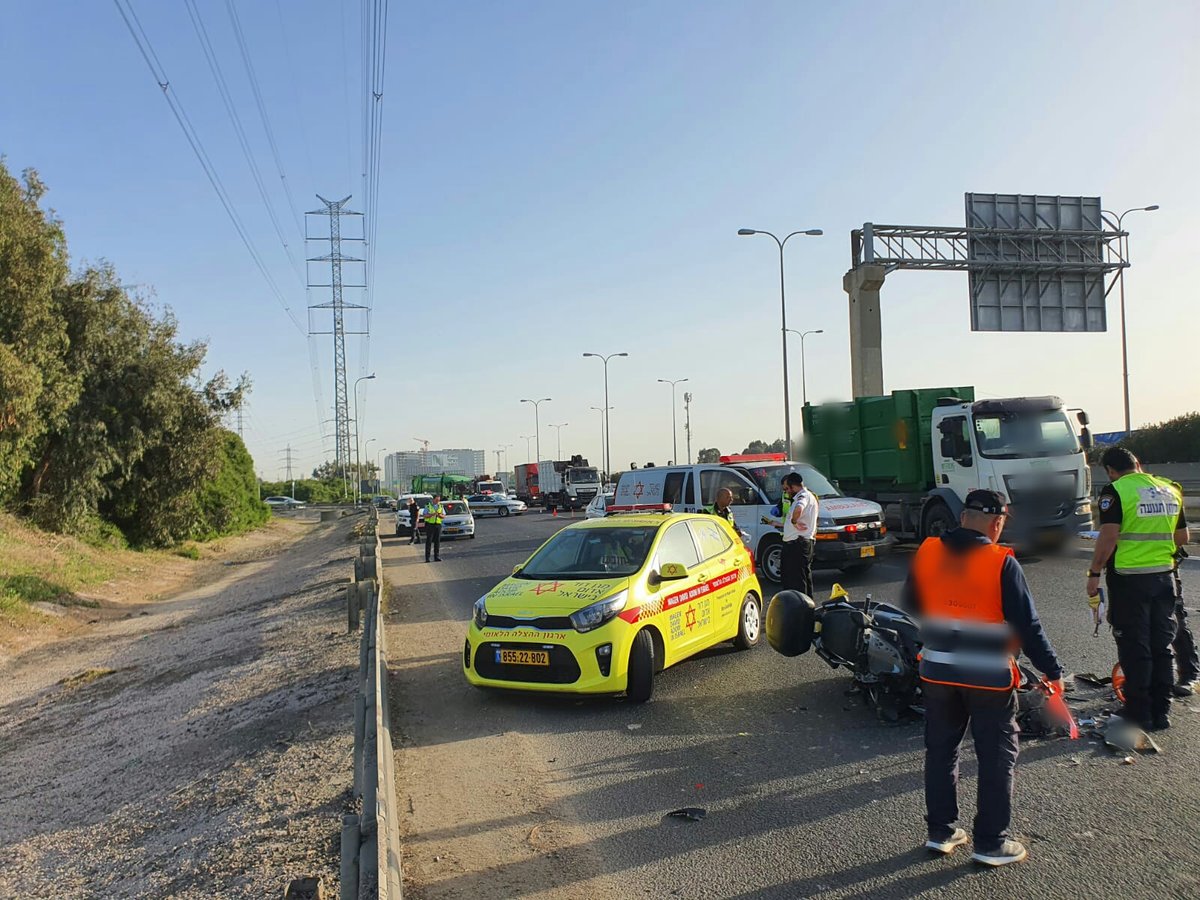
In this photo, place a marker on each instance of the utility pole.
(687, 423)
(287, 461)
(335, 209)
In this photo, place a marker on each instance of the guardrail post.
(353, 606)
(351, 844)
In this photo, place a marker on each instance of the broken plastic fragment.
(691, 813)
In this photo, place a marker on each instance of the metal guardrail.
(370, 859)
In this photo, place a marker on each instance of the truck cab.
(1030, 449)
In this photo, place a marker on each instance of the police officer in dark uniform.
(1141, 526)
(975, 607)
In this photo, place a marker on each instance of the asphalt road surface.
(807, 793)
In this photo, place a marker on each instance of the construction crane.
(424, 449)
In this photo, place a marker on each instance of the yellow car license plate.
(523, 657)
(866, 551)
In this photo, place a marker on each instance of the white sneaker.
(1008, 852)
(947, 846)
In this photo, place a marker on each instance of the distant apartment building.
(399, 468)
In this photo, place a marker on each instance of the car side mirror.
(1085, 438)
(947, 446)
(672, 572)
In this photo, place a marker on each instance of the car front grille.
(563, 668)
(541, 623)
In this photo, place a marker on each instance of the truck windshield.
(584, 476)
(769, 478)
(1019, 435)
(576, 553)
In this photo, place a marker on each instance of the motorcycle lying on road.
(879, 645)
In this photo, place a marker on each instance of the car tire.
(770, 557)
(937, 520)
(749, 623)
(639, 684)
(504, 511)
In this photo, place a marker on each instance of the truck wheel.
(938, 521)
(749, 623)
(503, 512)
(770, 557)
(640, 679)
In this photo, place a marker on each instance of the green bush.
(228, 503)
(1174, 441)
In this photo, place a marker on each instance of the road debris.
(691, 813)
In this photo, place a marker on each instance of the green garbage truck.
(919, 452)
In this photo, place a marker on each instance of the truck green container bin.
(877, 444)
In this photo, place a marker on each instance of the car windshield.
(1020, 435)
(770, 479)
(455, 508)
(577, 553)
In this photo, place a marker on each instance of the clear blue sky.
(561, 177)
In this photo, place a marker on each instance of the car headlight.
(592, 617)
(479, 612)
(824, 521)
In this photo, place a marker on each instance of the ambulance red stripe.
(680, 598)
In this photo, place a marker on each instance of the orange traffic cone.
(554, 511)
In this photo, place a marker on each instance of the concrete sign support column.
(862, 284)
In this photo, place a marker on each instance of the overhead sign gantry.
(1035, 263)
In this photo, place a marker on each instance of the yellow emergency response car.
(606, 603)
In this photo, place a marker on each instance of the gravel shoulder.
(198, 748)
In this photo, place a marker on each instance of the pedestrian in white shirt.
(799, 530)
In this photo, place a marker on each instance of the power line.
(146, 48)
(262, 111)
(223, 89)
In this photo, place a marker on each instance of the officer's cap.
(989, 502)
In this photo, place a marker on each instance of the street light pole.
(607, 429)
(674, 429)
(603, 462)
(367, 450)
(787, 409)
(537, 428)
(1121, 279)
(560, 428)
(803, 367)
(527, 438)
(357, 454)
(378, 472)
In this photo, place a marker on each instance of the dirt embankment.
(74, 585)
(198, 748)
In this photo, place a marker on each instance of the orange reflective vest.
(965, 640)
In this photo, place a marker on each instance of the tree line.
(105, 421)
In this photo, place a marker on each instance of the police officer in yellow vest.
(1141, 525)
(434, 513)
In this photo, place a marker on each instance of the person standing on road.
(1187, 659)
(975, 610)
(799, 527)
(434, 513)
(1141, 526)
(414, 513)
